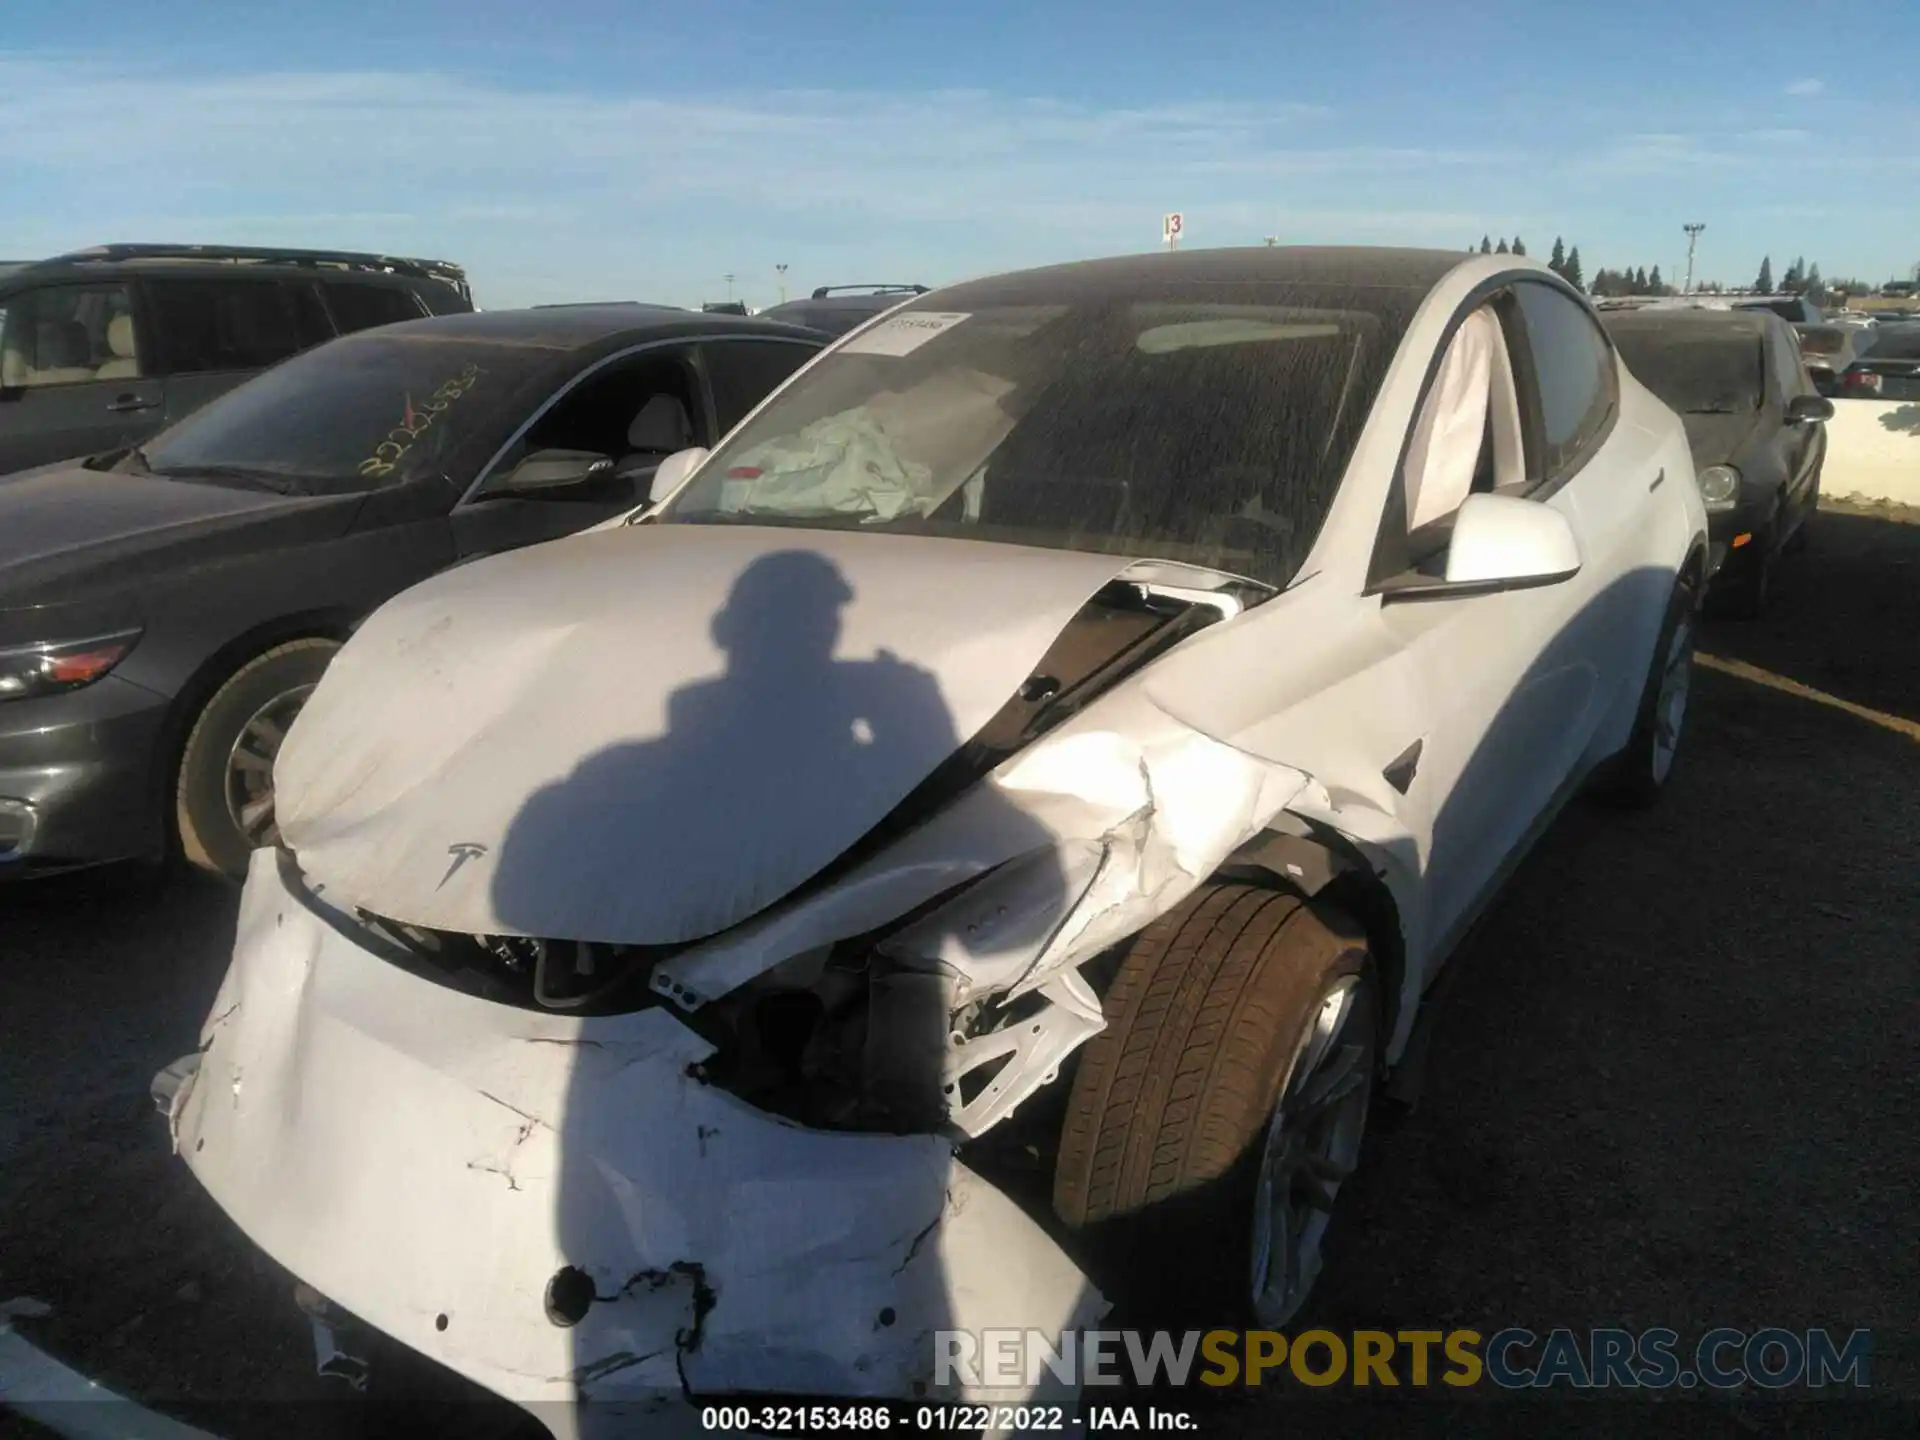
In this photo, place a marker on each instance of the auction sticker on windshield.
(902, 334)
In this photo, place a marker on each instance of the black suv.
(101, 348)
(836, 309)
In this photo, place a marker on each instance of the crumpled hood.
(1719, 439)
(647, 735)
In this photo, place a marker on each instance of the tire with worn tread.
(208, 836)
(1168, 1114)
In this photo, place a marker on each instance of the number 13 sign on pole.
(1170, 227)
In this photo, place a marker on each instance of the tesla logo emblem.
(461, 854)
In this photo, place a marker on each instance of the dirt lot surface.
(1674, 1082)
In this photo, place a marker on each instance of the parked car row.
(752, 830)
(970, 847)
(105, 347)
(166, 608)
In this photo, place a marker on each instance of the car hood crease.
(647, 735)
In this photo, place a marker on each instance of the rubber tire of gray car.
(1803, 532)
(1168, 1112)
(1628, 779)
(208, 837)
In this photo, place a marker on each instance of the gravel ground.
(1673, 1084)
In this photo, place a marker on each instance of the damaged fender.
(1142, 810)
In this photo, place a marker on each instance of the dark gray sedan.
(165, 610)
(1754, 421)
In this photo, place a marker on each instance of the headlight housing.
(27, 671)
(1719, 487)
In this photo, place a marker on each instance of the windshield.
(1823, 339)
(1175, 426)
(355, 414)
(1696, 374)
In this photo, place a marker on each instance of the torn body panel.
(431, 1162)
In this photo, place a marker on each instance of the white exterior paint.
(1873, 451)
(416, 1153)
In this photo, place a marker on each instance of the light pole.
(1693, 235)
(781, 271)
(729, 289)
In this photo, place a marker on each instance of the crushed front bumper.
(449, 1169)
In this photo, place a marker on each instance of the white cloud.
(1807, 87)
(554, 189)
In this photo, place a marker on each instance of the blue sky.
(582, 149)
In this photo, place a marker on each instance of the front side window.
(1207, 423)
(636, 411)
(207, 326)
(361, 413)
(69, 335)
(1572, 370)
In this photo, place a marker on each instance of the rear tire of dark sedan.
(224, 802)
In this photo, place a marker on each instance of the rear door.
(215, 333)
(76, 374)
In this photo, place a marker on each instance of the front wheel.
(224, 807)
(1745, 593)
(1211, 1125)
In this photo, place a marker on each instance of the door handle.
(1658, 481)
(131, 402)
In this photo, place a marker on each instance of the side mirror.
(1504, 542)
(545, 471)
(672, 471)
(1805, 409)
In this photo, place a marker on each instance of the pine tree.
(1558, 262)
(1486, 245)
(1501, 248)
(1795, 279)
(1654, 286)
(1764, 285)
(1572, 271)
(1640, 281)
(1816, 291)
(1519, 246)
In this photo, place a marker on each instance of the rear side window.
(209, 325)
(745, 372)
(361, 307)
(1572, 368)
